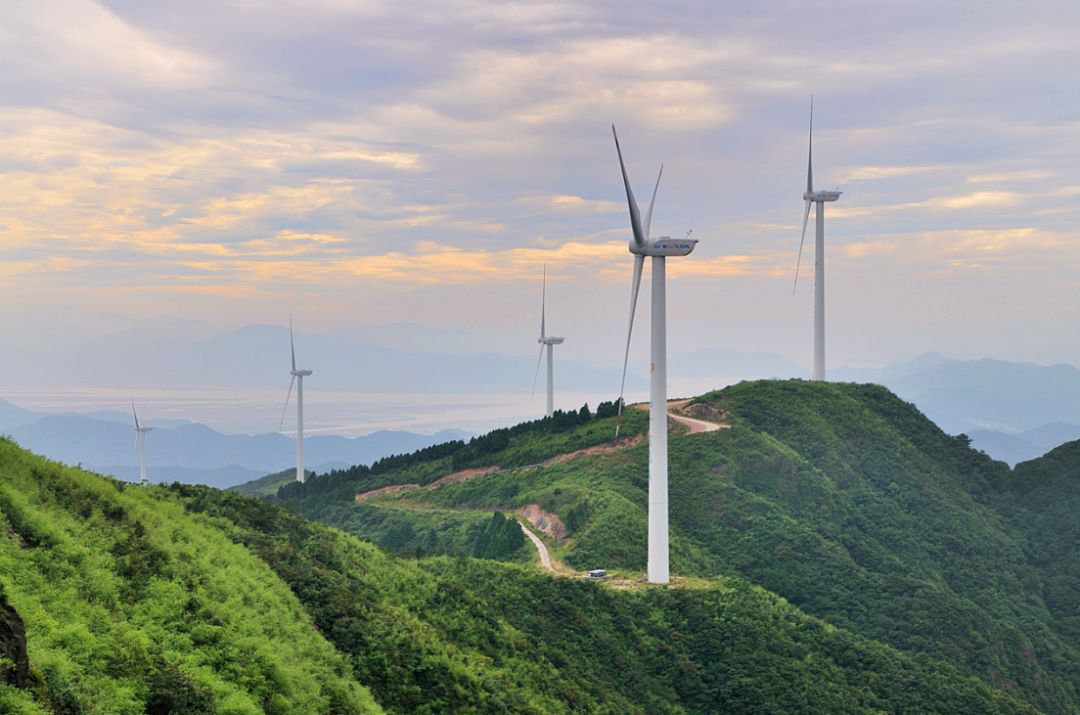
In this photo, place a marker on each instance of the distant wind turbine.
(819, 198)
(297, 377)
(659, 249)
(547, 341)
(140, 443)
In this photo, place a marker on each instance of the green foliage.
(132, 606)
(1044, 509)
(847, 502)
(187, 599)
(502, 539)
(411, 532)
(524, 444)
(466, 635)
(265, 486)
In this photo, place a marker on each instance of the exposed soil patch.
(464, 475)
(595, 449)
(392, 489)
(708, 419)
(12, 645)
(677, 412)
(545, 521)
(702, 411)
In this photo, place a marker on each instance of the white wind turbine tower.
(659, 249)
(140, 443)
(818, 198)
(546, 340)
(297, 377)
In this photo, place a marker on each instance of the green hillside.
(133, 605)
(265, 486)
(1046, 511)
(841, 498)
(185, 600)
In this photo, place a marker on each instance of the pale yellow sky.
(364, 163)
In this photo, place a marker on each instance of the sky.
(196, 167)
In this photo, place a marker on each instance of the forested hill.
(841, 498)
(188, 600)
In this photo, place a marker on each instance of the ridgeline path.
(693, 424)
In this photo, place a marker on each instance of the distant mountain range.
(193, 453)
(839, 497)
(258, 356)
(1012, 411)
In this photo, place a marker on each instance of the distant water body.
(325, 412)
(346, 413)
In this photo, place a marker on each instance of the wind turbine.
(301, 374)
(548, 341)
(818, 198)
(659, 249)
(140, 443)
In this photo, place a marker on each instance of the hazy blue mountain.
(726, 365)
(375, 361)
(12, 415)
(969, 395)
(123, 417)
(258, 355)
(1052, 434)
(1009, 448)
(219, 478)
(195, 453)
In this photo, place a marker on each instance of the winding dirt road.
(693, 423)
(541, 547)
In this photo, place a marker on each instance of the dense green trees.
(937, 579)
(468, 635)
(502, 539)
(132, 606)
(846, 501)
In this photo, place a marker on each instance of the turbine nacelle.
(816, 196)
(300, 373)
(550, 341)
(664, 246)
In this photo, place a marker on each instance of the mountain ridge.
(842, 498)
(187, 599)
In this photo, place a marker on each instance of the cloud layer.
(365, 162)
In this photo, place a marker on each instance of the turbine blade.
(285, 409)
(648, 216)
(136, 414)
(635, 215)
(798, 261)
(135, 447)
(639, 263)
(292, 346)
(536, 373)
(810, 151)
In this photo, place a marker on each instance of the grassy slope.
(427, 529)
(227, 604)
(843, 499)
(466, 635)
(265, 486)
(128, 600)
